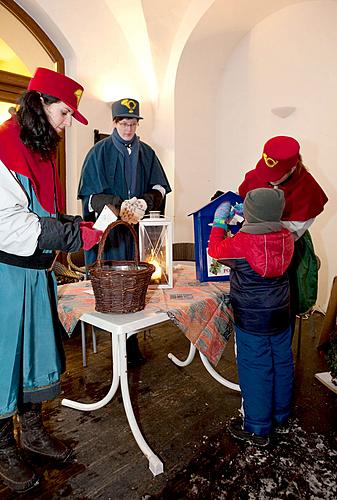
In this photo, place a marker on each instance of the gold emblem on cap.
(78, 93)
(269, 161)
(130, 104)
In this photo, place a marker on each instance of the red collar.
(304, 198)
(42, 173)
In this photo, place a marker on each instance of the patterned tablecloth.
(201, 310)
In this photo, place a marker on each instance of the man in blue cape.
(118, 168)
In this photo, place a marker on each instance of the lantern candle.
(155, 246)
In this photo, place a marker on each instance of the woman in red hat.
(32, 227)
(281, 167)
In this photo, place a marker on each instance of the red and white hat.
(280, 155)
(60, 86)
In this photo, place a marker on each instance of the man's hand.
(98, 202)
(153, 199)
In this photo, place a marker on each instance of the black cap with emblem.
(126, 108)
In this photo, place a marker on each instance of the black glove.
(98, 202)
(153, 199)
(217, 194)
(58, 236)
(69, 218)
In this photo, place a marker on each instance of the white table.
(122, 326)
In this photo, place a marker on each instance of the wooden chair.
(64, 275)
(76, 262)
(98, 136)
(183, 251)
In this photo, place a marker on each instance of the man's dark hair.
(120, 118)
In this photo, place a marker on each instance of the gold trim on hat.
(78, 94)
(130, 104)
(269, 161)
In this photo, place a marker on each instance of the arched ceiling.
(137, 45)
(155, 31)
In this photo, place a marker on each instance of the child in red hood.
(259, 255)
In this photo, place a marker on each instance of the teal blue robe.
(31, 353)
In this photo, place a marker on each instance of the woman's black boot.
(14, 472)
(34, 437)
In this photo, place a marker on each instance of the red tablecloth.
(201, 310)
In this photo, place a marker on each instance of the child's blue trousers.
(266, 374)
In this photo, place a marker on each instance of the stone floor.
(183, 413)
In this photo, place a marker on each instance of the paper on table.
(105, 218)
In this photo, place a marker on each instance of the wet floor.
(183, 413)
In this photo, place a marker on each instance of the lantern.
(155, 247)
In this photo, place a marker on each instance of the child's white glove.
(133, 210)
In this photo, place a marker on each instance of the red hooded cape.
(18, 158)
(304, 198)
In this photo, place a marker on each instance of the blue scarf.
(130, 159)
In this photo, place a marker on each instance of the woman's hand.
(90, 236)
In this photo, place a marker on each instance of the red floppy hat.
(60, 86)
(280, 154)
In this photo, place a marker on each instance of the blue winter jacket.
(259, 285)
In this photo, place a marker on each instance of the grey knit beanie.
(263, 204)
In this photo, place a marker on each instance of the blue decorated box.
(207, 268)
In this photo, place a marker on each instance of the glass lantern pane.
(155, 252)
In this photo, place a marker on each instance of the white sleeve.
(161, 189)
(298, 228)
(89, 204)
(19, 227)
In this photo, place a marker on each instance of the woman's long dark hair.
(36, 131)
(300, 165)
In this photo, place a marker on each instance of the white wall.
(98, 55)
(109, 46)
(205, 55)
(288, 59)
(228, 81)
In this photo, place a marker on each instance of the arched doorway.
(12, 84)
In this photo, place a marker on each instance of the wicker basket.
(120, 286)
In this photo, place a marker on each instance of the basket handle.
(105, 235)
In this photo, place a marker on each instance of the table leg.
(84, 351)
(94, 343)
(187, 361)
(216, 375)
(155, 464)
(114, 383)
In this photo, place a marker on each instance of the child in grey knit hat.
(259, 255)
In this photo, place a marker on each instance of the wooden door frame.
(12, 85)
